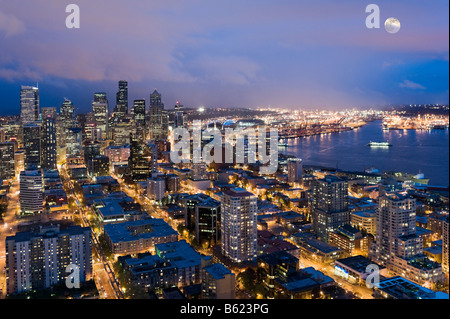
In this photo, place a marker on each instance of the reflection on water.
(412, 151)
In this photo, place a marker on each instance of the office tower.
(295, 170)
(179, 115)
(7, 161)
(91, 150)
(29, 104)
(158, 118)
(156, 188)
(329, 205)
(141, 161)
(32, 144)
(139, 119)
(48, 145)
(238, 225)
(2, 135)
(121, 132)
(67, 114)
(218, 282)
(38, 259)
(100, 110)
(31, 191)
(207, 221)
(100, 166)
(49, 112)
(445, 245)
(121, 108)
(74, 142)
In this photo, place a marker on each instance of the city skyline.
(293, 55)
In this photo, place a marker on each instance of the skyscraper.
(32, 144)
(100, 109)
(329, 205)
(141, 160)
(29, 104)
(239, 225)
(74, 142)
(7, 162)
(121, 108)
(67, 114)
(139, 119)
(179, 115)
(158, 118)
(49, 111)
(48, 145)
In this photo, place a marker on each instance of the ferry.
(379, 144)
(283, 145)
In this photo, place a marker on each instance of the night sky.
(253, 53)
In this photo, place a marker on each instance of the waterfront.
(413, 151)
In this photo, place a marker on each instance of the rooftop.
(140, 229)
(218, 271)
(179, 253)
(401, 288)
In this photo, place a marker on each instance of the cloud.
(226, 69)
(10, 25)
(406, 84)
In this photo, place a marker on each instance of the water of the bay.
(412, 151)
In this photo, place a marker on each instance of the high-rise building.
(142, 160)
(37, 260)
(396, 218)
(329, 205)
(445, 245)
(398, 246)
(48, 145)
(239, 225)
(74, 142)
(31, 191)
(100, 110)
(139, 119)
(100, 166)
(7, 161)
(32, 144)
(295, 170)
(179, 115)
(67, 114)
(121, 108)
(156, 188)
(29, 104)
(158, 118)
(207, 221)
(49, 111)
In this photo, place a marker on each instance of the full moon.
(392, 25)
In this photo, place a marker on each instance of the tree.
(248, 279)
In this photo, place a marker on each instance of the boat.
(283, 145)
(379, 144)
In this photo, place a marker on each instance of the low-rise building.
(138, 236)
